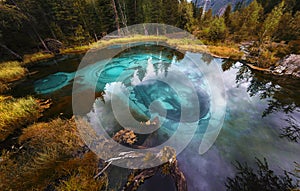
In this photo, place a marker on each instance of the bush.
(294, 46)
(217, 30)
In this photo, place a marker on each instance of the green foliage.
(289, 28)
(271, 23)
(217, 30)
(80, 35)
(11, 17)
(15, 113)
(245, 23)
(186, 13)
(227, 15)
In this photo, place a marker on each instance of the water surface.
(258, 109)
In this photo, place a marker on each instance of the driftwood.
(138, 176)
(166, 157)
(171, 168)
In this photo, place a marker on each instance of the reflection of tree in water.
(207, 58)
(292, 131)
(141, 72)
(165, 68)
(247, 179)
(227, 64)
(280, 92)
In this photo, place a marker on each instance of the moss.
(16, 113)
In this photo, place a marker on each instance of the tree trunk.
(11, 51)
(32, 25)
(116, 17)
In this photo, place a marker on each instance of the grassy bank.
(30, 58)
(16, 113)
(51, 156)
(10, 71)
(194, 45)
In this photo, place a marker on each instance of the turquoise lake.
(258, 106)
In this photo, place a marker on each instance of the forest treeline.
(25, 24)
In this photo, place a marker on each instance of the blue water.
(146, 79)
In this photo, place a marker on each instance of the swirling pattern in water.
(52, 82)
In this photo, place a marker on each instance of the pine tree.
(217, 30)
(186, 19)
(245, 23)
(271, 23)
(170, 12)
(227, 15)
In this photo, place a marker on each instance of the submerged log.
(163, 160)
(171, 168)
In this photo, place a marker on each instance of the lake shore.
(193, 45)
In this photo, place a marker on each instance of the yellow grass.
(15, 113)
(76, 50)
(3, 87)
(10, 71)
(29, 58)
(217, 51)
(220, 50)
(53, 151)
(58, 131)
(225, 52)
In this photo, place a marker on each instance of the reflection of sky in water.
(245, 133)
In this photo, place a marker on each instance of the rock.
(53, 45)
(290, 65)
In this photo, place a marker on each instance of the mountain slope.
(218, 6)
